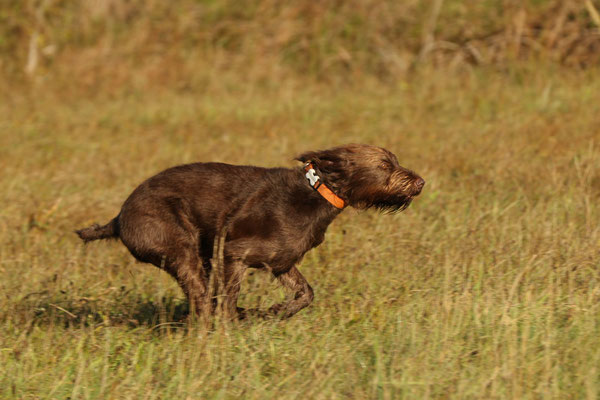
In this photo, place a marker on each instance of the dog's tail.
(95, 232)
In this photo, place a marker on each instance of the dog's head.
(366, 176)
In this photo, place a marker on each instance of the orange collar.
(315, 182)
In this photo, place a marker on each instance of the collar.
(315, 182)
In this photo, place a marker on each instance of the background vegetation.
(488, 286)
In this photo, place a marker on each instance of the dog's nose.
(420, 183)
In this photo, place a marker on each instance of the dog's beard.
(393, 204)
(387, 203)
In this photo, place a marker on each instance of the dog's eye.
(386, 165)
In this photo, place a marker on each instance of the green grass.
(488, 286)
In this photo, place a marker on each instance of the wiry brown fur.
(270, 218)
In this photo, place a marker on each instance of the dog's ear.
(308, 156)
(324, 159)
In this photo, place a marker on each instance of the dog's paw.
(275, 309)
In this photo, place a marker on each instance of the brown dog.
(266, 217)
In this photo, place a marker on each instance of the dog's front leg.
(234, 275)
(227, 289)
(303, 294)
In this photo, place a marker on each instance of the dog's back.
(203, 189)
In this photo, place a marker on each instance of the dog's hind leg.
(187, 270)
(303, 294)
(168, 246)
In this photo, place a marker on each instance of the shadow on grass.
(45, 309)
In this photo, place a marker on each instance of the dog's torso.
(270, 216)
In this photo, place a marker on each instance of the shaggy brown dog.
(266, 217)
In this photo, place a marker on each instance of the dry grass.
(115, 41)
(487, 287)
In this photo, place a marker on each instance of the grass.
(488, 286)
(115, 41)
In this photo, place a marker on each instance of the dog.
(264, 217)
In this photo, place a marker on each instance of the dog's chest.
(264, 242)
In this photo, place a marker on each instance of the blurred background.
(487, 286)
(106, 46)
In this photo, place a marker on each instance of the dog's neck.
(315, 182)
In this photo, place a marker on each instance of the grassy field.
(488, 286)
